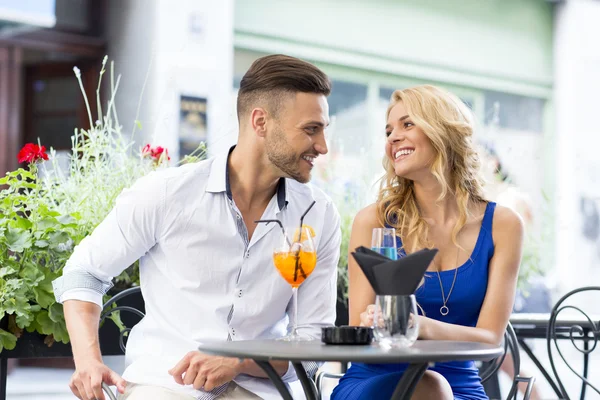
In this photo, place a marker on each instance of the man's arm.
(127, 233)
(82, 323)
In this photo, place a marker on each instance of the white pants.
(134, 391)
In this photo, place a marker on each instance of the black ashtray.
(347, 335)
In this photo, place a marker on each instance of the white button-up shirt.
(201, 278)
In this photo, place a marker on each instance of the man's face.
(297, 135)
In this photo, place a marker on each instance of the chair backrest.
(124, 310)
(490, 369)
(582, 333)
(126, 301)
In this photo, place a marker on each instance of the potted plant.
(45, 212)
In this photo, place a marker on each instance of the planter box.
(31, 345)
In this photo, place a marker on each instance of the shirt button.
(240, 293)
(238, 217)
(247, 253)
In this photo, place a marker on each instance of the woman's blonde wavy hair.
(448, 123)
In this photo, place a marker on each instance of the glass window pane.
(55, 131)
(347, 106)
(56, 94)
(346, 95)
(514, 112)
(385, 93)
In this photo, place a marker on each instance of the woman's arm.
(507, 232)
(361, 292)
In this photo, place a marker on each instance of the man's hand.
(86, 382)
(205, 372)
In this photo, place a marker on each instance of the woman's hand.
(366, 317)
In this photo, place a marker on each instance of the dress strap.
(488, 217)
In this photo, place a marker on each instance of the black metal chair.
(487, 371)
(586, 331)
(112, 308)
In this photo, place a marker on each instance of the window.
(514, 112)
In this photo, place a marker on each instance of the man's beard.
(283, 157)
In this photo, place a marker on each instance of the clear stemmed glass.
(295, 257)
(383, 241)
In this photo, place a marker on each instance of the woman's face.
(407, 146)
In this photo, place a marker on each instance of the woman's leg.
(433, 386)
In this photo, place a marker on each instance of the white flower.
(66, 246)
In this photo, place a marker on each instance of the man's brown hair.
(271, 77)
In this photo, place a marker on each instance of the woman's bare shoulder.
(507, 224)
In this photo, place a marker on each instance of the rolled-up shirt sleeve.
(126, 234)
(317, 296)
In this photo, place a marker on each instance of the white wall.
(501, 44)
(577, 64)
(130, 30)
(186, 49)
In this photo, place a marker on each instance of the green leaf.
(8, 341)
(24, 319)
(55, 312)
(21, 223)
(43, 297)
(46, 326)
(57, 238)
(44, 323)
(31, 273)
(139, 124)
(5, 271)
(18, 240)
(47, 223)
(67, 220)
(41, 244)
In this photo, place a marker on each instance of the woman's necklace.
(444, 310)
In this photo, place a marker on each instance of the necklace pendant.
(444, 310)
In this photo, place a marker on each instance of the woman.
(432, 195)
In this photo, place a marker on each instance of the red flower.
(155, 152)
(147, 151)
(32, 153)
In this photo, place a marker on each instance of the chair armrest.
(319, 380)
(108, 392)
(514, 389)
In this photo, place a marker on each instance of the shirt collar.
(218, 180)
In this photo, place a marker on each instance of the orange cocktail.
(295, 267)
(295, 258)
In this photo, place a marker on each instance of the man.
(206, 267)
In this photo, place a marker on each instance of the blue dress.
(378, 381)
